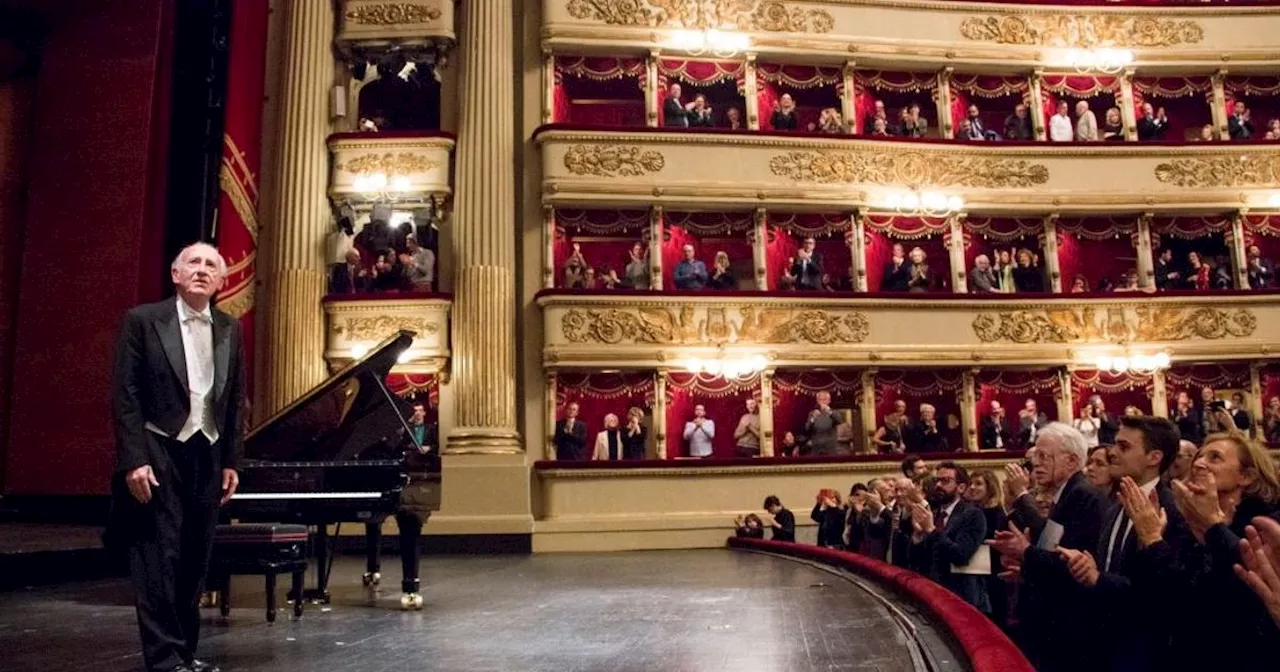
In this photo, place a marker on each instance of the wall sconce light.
(729, 367)
(719, 43)
(1133, 363)
(914, 203)
(1104, 60)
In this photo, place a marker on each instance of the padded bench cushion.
(268, 534)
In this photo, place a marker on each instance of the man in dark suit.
(807, 267)
(674, 113)
(1030, 421)
(1168, 274)
(178, 396)
(1051, 602)
(1262, 272)
(1239, 125)
(877, 517)
(993, 434)
(950, 535)
(1144, 449)
(571, 435)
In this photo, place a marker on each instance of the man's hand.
(922, 518)
(230, 481)
(1149, 519)
(140, 482)
(1011, 544)
(1083, 568)
(1016, 481)
(424, 449)
(1197, 500)
(1260, 564)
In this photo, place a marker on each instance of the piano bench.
(265, 549)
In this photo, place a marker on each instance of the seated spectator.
(1079, 285)
(1017, 126)
(1206, 133)
(608, 279)
(350, 277)
(589, 280)
(699, 114)
(982, 280)
(748, 526)
(690, 273)
(1262, 271)
(829, 123)
(1153, 124)
(367, 125)
(1200, 272)
(784, 114)
(1027, 277)
(575, 268)
(880, 127)
(1086, 123)
(1113, 126)
(609, 441)
(897, 272)
(919, 280)
(733, 120)
(1273, 130)
(790, 446)
(877, 112)
(636, 273)
(419, 263)
(782, 521)
(913, 125)
(722, 273)
(1239, 125)
(1128, 282)
(1060, 127)
(976, 128)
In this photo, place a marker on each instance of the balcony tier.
(376, 23)
(355, 324)
(615, 168)
(403, 167)
(637, 330)
(892, 32)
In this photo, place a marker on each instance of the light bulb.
(1120, 364)
(955, 204)
(1162, 360)
(1103, 363)
(401, 183)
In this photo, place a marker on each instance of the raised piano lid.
(350, 416)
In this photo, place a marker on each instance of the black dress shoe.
(201, 666)
(182, 668)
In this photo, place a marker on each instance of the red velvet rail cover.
(987, 647)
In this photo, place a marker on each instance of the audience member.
(1261, 271)
(1086, 123)
(993, 432)
(784, 114)
(897, 272)
(1060, 127)
(699, 432)
(919, 279)
(636, 272)
(1017, 126)
(690, 273)
(1097, 471)
(733, 119)
(982, 280)
(749, 526)
(570, 435)
(1239, 125)
(821, 427)
(805, 269)
(699, 115)
(722, 273)
(633, 436)
(1113, 126)
(747, 435)
(889, 437)
(947, 540)
(675, 114)
(782, 521)
(1030, 421)
(1153, 124)
(975, 129)
(984, 492)
(1027, 277)
(829, 515)
(1088, 425)
(925, 435)
(609, 440)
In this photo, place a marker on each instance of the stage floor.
(646, 611)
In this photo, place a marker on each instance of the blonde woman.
(721, 273)
(920, 280)
(1113, 126)
(634, 435)
(609, 441)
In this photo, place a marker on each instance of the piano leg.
(409, 525)
(373, 550)
(320, 594)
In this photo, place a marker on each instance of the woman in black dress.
(984, 492)
(1026, 276)
(633, 435)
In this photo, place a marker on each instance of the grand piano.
(343, 452)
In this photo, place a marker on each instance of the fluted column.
(1065, 402)
(1146, 260)
(660, 414)
(959, 281)
(969, 411)
(759, 246)
(484, 240)
(1051, 261)
(867, 407)
(766, 413)
(295, 279)
(1159, 394)
(1035, 106)
(750, 93)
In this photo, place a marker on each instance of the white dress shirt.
(197, 345)
(1061, 128)
(1128, 525)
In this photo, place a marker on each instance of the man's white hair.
(928, 407)
(981, 257)
(1069, 439)
(217, 256)
(1187, 444)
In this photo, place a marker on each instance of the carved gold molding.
(378, 327)
(661, 325)
(1119, 325)
(1246, 170)
(907, 168)
(744, 15)
(1082, 31)
(392, 14)
(612, 160)
(389, 163)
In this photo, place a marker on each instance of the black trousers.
(170, 541)
(409, 525)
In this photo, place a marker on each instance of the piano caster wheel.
(411, 602)
(372, 578)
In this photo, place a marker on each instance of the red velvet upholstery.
(889, 462)
(986, 646)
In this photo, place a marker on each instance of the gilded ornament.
(612, 160)
(1221, 171)
(1082, 31)
(392, 14)
(665, 326)
(378, 327)
(1118, 325)
(911, 168)
(404, 163)
(769, 16)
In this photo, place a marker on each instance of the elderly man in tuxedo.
(993, 433)
(1030, 421)
(178, 397)
(571, 435)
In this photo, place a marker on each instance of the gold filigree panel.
(1085, 31)
(402, 163)
(748, 324)
(1118, 325)
(1221, 171)
(612, 160)
(907, 168)
(355, 326)
(744, 15)
(379, 327)
(391, 14)
(419, 167)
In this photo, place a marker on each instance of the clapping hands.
(1149, 519)
(1260, 563)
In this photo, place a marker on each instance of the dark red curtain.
(788, 230)
(1270, 383)
(1013, 388)
(722, 82)
(1117, 390)
(1098, 248)
(794, 393)
(417, 388)
(995, 95)
(598, 394)
(1191, 378)
(812, 88)
(604, 236)
(939, 387)
(710, 232)
(1260, 93)
(1187, 100)
(1263, 231)
(897, 90)
(926, 233)
(1101, 93)
(1204, 235)
(724, 399)
(599, 91)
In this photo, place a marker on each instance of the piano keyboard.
(307, 495)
